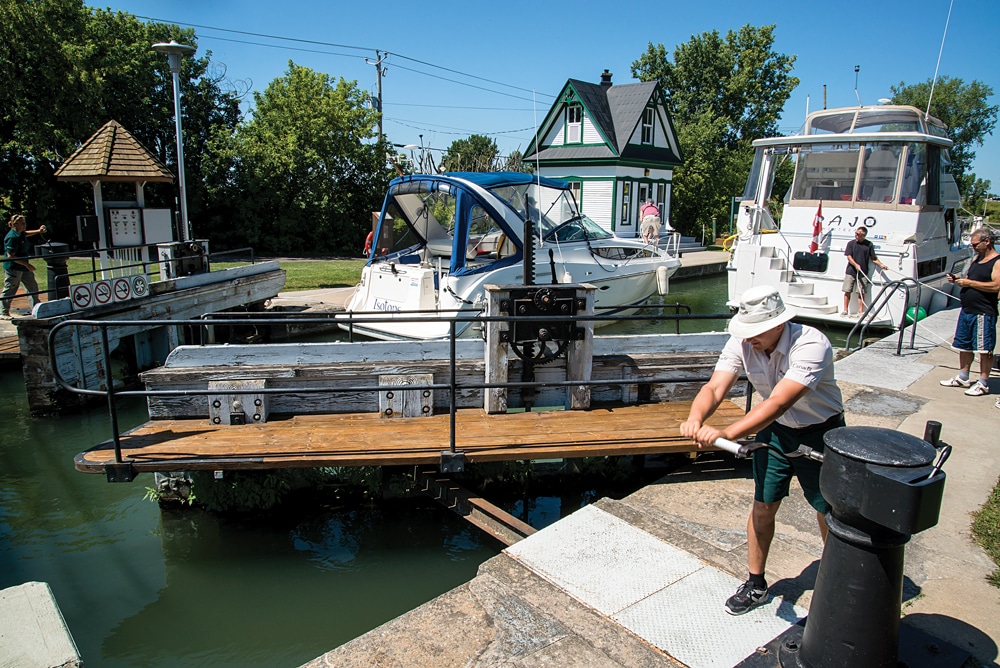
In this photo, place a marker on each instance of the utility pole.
(379, 73)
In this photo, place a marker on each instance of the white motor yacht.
(885, 168)
(441, 238)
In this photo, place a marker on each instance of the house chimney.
(606, 79)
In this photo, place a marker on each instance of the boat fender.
(662, 280)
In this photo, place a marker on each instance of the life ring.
(368, 242)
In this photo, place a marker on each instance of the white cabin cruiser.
(885, 168)
(441, 238)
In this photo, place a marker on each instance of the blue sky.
(476, 67)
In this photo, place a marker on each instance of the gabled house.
(616, 145)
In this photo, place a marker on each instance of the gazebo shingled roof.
(113, 154)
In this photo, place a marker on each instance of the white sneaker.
(978, 390)
(843, 314)
(956, 382)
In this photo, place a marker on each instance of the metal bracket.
(120, 472)
(452, 462)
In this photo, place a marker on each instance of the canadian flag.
(817, 229)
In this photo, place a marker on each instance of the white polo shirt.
(803, 354)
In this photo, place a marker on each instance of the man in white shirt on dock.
(791, 366)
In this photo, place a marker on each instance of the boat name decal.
(384, 305)
(868, 222)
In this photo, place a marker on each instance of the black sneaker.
(746, 598)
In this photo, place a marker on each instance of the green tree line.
(301, 173)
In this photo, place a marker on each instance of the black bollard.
(55, 256)
(883, 487)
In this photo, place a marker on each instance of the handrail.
(452, 385)
(881, 301)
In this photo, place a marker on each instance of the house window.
(576, 188)
(574, 124)
(647, 126)
(626, 203)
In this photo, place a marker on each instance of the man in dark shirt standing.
(977, 321)
(860, 252)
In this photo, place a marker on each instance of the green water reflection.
(138, 587)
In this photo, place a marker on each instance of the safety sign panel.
(140, 285)
(103, 293)
(122, 287)
(82, 295)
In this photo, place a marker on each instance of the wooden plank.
(362, 439)
(10, 349)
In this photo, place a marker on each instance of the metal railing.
(908, 286)
(451, 386)
(63, 280)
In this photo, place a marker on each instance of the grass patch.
(299, 274)
(986, 530)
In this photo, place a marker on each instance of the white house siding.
(590, 133)
(555, 136)
(597, 200)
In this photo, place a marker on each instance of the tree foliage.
(478, 153)
(65, 70)
(722, 94)
(305, 169)
(964, 109)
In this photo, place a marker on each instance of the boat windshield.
(578, 228)
(552, 209)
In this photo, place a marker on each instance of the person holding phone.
(976, 331)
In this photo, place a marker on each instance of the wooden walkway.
(10, 349)
(367, 439)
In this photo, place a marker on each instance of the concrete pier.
(33, 633)
(642, 581)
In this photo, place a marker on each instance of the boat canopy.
(474, 221)
(885, 118)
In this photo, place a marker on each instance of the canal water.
(138, 586)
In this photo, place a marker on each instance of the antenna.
(936, 67)
(857, 68)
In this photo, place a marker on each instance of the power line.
(361, 48)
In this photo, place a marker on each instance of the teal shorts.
(772, 473)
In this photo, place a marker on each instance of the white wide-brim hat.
(761, 309)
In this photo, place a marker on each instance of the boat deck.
(366, 439)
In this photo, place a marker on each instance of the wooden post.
(496, 352)
(580, 353)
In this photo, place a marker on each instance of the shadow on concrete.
(963, 636)
(793, 589)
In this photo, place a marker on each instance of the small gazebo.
(112, 154)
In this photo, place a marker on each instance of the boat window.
(395, 236)
(483, 233)
(750, 190)
(933, 189)
(887, 120)
(577, 228)
(826, 171)
(914, 173)
(878, 173)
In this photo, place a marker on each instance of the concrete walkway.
(572, 595)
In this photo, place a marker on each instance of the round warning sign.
(83, 295)
(103, 293)
(140, 285)
(122, 288)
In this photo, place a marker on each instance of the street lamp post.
(174, 53)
